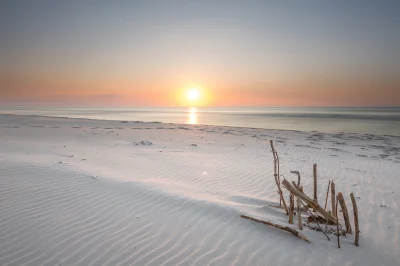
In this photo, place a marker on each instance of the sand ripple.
(73, 194)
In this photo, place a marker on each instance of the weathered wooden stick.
(337, 225)
(285, 228)
(300, 222)
(353, 201)
(291, 209)
(274, 153)
(295, 185)
(316, 221)
(327, 193)
(278, 173)
(309, 201)
(305, 208)
(315, 182)
(277, 163)
(275, 169)
(345, 213)
(333, 197)
(298, 177)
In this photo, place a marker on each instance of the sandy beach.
(96, 192)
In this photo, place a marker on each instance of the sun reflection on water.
(192, 119)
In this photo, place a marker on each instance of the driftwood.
(276, 177)
(317, 218)
(353, 201)
(308, 200)
(345, 213)
(306, 209)
(337, 225)
(303, 209)
(319, 227)
(333, 197)
(300, 222)
(291, 209)
(326, 230)
(284, 228)
(278, 172)
(315, 182)
(327, 193)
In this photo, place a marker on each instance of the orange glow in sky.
(154, 53)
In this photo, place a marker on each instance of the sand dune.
(91, 192)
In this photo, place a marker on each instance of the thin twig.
(316, 221)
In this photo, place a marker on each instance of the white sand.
(88, 192)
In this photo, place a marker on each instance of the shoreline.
(194, 125)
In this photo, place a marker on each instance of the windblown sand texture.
(91, 192)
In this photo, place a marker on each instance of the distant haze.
(240, 53)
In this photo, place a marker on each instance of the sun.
(192, 94)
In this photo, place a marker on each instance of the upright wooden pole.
(315, 182)
(300, 222)
(278, 174)
(291, 209)
(333, 198)
(345, 213)
(353, 201)
(274, 153)
(337, 224)
(327, 194)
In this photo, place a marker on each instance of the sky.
(236, 53)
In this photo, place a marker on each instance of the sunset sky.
(236, 53)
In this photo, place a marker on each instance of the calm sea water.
(377, 120)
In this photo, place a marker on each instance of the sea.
(365, 120)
